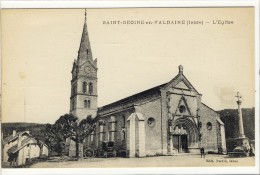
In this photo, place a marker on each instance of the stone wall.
(152, 109)
(209, 136)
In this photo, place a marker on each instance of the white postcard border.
(126, 4)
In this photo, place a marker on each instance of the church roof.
(131, 100)
(135, 99)
(209, 108)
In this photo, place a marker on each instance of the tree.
(54, 139)
(67, 126)
(231, 120)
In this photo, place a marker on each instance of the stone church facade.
(164, 120)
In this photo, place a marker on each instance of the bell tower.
(83, 99)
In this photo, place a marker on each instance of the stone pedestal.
(236, 142)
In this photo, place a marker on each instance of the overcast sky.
(39, 47)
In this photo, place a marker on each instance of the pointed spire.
(85, 15)
(84, 49)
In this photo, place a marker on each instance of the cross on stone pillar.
(238, 96)
(241, 127)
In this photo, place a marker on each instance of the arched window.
(123, 135)
(85, 103)
(123, 125)
(87, 87)
(84, 87)
(88, 103)
(112, 123)
(112, 128)
(101, 130)
(90, 88)
(92, 136)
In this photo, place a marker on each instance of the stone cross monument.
(241, 126)
(239, 145)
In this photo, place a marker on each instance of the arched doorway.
(184, 135)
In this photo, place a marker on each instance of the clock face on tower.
(88, 69)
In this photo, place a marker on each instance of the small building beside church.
(163, 120)
(20, 147)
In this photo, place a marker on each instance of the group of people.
(249, 148)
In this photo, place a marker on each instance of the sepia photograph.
(128, 88)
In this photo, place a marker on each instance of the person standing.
(202, 152)
(251, 150)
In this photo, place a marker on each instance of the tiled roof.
(12, 149)
(25, 142)
(209, 107)
(132, 98)
(11, 137)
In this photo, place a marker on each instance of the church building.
(163, 120)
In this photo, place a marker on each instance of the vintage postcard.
(129, 88)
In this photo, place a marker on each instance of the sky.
(40, 45)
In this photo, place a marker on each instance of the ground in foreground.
(160, 161)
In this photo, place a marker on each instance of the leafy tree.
(54, 139)
(231, 121)
(68, 126)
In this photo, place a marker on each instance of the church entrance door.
(184, 143)
(184, 135)
(180, 142)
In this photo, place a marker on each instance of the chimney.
(14, 133)
(19, 141)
